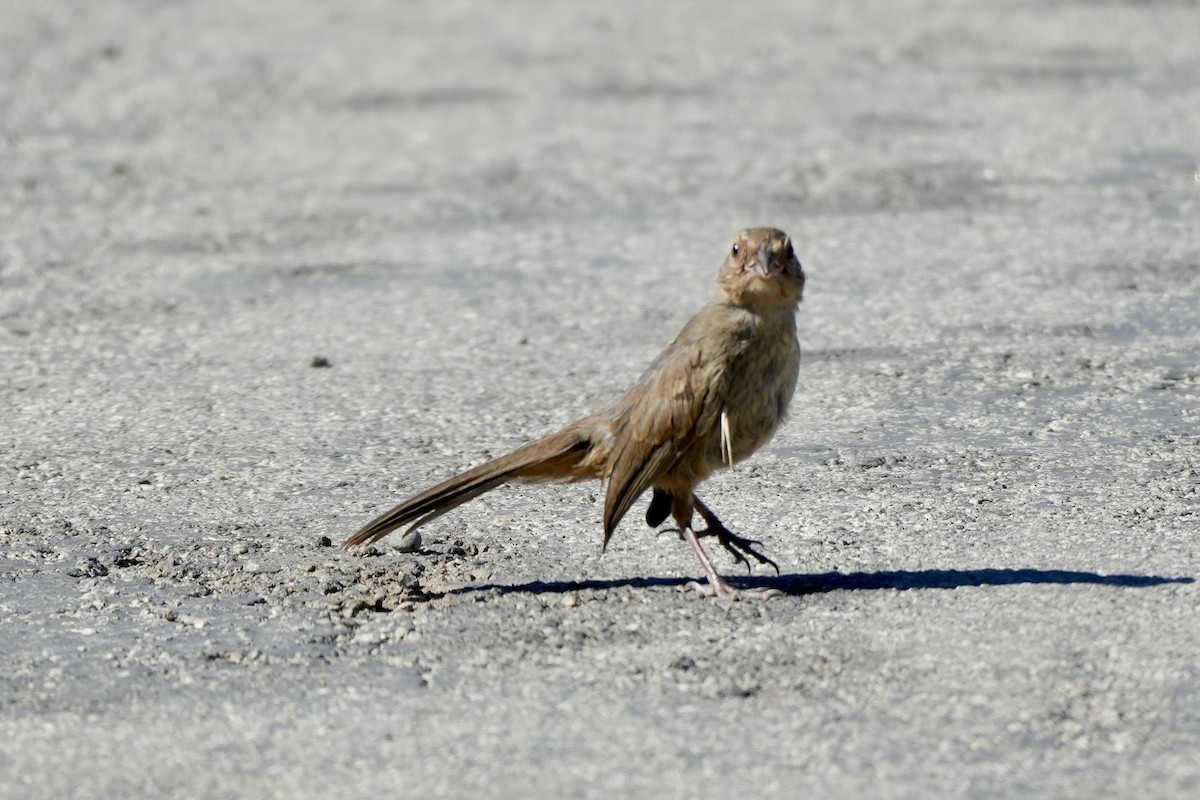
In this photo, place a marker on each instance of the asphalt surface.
(266, 269)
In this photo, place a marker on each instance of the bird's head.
(761, 270)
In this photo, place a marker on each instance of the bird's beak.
(763, 263)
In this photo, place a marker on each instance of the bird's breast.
(762, 380)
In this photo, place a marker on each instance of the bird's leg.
(738, 546)
(716, 586)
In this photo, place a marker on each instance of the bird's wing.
(675, 405)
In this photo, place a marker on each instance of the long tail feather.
(558, 456)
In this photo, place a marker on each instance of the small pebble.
(410, 542)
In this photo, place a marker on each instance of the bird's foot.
(716, 586)
(724, 591)
(737, 546)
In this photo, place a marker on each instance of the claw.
(716, 585)
(738, 546)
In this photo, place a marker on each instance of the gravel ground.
(266, 269)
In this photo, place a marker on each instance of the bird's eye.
(737, 248)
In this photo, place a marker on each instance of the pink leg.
(716, 585)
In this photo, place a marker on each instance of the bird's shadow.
(900, 580)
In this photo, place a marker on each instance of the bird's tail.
(557, 457)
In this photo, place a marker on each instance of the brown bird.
(711, 398)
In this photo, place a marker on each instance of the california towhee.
(711, 398)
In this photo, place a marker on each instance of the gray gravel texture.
(267, 268)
